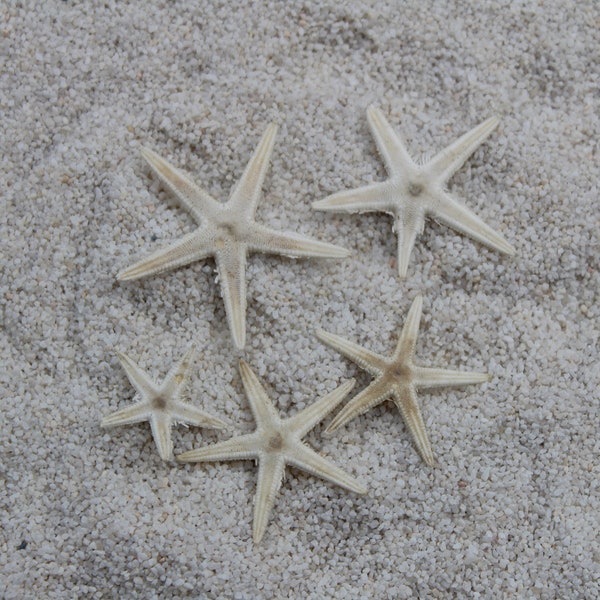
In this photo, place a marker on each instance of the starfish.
(396, 378)
(416, 191)
(276, 443)
(228, 232)
(160, 404)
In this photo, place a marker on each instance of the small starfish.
(160, 404)
(275, 443)
(415, 191)
(227, 232)
(396, 378)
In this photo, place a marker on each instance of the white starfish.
(415, 191)
(160, 404)
(396, 378)
(227, 232)
(276, 443)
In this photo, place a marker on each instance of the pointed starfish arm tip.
(122, 275)
(239, 337)
(507, 248)
(147, 153)
(372, 109)
(494, 120)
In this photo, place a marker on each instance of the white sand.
(511, 510)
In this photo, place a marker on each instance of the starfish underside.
(161, 404)
(414, 192)
(275, 443)
(397, 378)
(227, 232)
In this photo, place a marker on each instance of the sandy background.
(512, 508)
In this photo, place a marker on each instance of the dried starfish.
(226, 231)
(396, 378)
(160, 404)
(416, 191)
(275, 443)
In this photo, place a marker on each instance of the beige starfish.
(416, 191)
(160, 404)
(276, 443)
(226, 231)
(396, 378)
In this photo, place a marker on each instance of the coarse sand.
(511, 509)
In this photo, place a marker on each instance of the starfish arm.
(138, 378)
(132, 414)
(193, 198)
(425, 377)
(246, 193)
(293, 244)
(372, 395)
(191, 247)
(183, 412)
(308, 460)
(405, 398)
(307, 418)
(177, 376)
(376, 197)
(262, 408)
(242, 447)
(161, 432)
(405, 348)
(371, 362)
(231, 266)
(454, 214)
(407, 226)
(390, 144)
(270, 477)
(444, 164)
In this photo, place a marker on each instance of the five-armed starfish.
(415, 191)
(396, 378)
(275, 443)
(227, 232)
(160, 404)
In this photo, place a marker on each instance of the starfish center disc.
(275, 442)
(160, 403)
(415, 188)
(401, 372)
(228, 232)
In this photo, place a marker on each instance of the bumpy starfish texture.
(161, 404)
(228, 232)
(275, 443)
(396, 378)
(416, 191)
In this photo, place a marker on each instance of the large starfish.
(160, 404)
(275, 443)
(416, 191)
(396, 378)
(227, 232)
